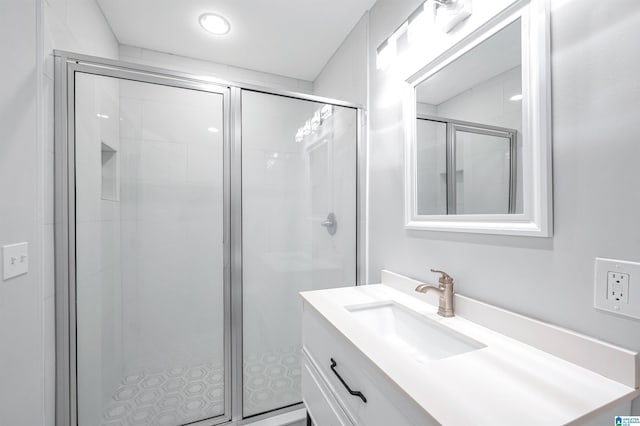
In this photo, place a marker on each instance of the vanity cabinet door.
(385, 404)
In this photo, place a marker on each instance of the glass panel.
(299, 166)
(482, 173)
(431, 167)
(150, 255)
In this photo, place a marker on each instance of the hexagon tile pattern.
(187, 394)
(172, 397)
(271, 380)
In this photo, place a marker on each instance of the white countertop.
(505, 382)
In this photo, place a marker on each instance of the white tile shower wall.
(171, 226)
(276, 242)
(289, 188)
(595, 93)
(185, 64)
(341, 174)
(99, 283)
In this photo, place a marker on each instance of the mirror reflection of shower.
(468, 146)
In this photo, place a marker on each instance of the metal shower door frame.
(67, 64)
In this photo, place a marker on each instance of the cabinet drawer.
(319, 401)
(385, 403)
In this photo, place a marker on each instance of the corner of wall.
(344, 76)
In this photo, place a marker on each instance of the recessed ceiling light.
(516, 97)
(214, 23)
(213, 130)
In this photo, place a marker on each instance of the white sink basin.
(412, 333)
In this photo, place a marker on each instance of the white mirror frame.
(537, 216)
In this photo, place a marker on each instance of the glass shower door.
(298, 231)
(151, 337)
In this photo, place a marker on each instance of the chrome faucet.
(444, 289)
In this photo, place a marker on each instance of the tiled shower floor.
(187, 394)
(271, 380)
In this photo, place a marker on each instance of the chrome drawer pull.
(359, 394)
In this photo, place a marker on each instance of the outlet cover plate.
(604, 268)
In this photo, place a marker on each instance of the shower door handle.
(330, 223)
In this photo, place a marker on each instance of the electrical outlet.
(617, 287)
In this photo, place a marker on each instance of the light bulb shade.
(214, 23)
(326, 111)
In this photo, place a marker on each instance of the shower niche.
(109, 160)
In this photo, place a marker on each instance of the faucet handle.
(445, 278)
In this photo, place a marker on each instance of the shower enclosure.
(190, 214)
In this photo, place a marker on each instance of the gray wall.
(596, 99)
(21, 298)
(29, 30)
(345, 74)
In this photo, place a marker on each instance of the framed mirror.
(478, 136)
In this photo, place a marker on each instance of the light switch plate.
(15, 260)
(628, 274)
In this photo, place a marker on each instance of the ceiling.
(294, 38)
(494, 56)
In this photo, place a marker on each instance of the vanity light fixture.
(445, 14)
(420, 23)
(214, 23)
(517, 97)
(449, 13)
(386, 53)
